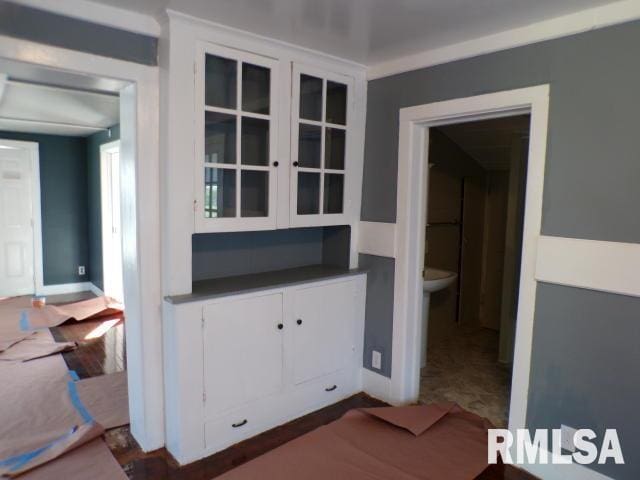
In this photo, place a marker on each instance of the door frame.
(410, 231)
(140, 180)
(105, 197)
(36, 213)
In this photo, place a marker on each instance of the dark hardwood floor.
(107, 354)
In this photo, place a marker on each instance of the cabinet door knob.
(295, 164)
(276, 163)
(330, 389)
(299, 321)
(239, 424)
(280, 326)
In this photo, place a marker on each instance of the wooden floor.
(106, 354)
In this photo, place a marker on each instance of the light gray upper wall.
(592, 172)
(585, 368)
(60, 31)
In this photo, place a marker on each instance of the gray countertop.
(220, 287)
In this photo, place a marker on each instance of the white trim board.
(410, 234)
(597, 265)
(377, 238)
(571, 471)
(571, 24)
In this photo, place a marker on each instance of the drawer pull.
(299, 321)
(330, 389)
(280, 326)
(239, 424)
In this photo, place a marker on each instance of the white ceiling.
(489, 142)
(32, 108)
(368, 31)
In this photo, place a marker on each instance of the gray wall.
(216, 255)
(94, 208)
(60, 31)
(63, 190)
(583, 339)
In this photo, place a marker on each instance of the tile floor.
(464, 369)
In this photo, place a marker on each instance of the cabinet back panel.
(218, 255)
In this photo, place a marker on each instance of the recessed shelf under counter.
(224, 286)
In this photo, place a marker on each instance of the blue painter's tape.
(18, 461)
(24, 321)
(77, 403)
(74, 375)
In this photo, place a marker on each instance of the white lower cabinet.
(266, 358)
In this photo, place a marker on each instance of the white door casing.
(19, 218)
(410, 232)
(111, 223)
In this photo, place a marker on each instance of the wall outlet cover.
(566, 438)
(376, 359)
(81, 270)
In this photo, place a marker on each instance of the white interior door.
(16, 219)
(111, 225)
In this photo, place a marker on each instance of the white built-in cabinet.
(240, 364)
(238, 142)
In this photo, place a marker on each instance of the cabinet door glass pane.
(309, 144)
(334, 148)
(220, 82)
(219, 138)
(336, 103)
(333, 192)
(310, 98)
(256, 83)
(219, 192)
(254, 193)
(308, 193)
(255, 141)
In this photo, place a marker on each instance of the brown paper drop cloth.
(54, 315)
(430, 442)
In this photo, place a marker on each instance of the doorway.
(410, 232)
(20, 236)
(475, 206)
(111, 223)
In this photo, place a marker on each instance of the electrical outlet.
(376, 360)
(81, 270)
(566, 438)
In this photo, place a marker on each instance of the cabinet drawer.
(242, 423)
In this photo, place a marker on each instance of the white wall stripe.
(612, 267)
(377, 238)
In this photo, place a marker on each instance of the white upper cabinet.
(276, 143)
(236, 148)
(320, 136)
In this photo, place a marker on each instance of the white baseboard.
(63, 288)
(376, 385)
(96, 291)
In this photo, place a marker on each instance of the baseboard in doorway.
(96, 291)
(376, 385)
(63, 288)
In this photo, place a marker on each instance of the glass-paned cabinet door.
(319, 140)
(236, 112)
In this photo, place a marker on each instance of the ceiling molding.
(585, 20)
(99, 13)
